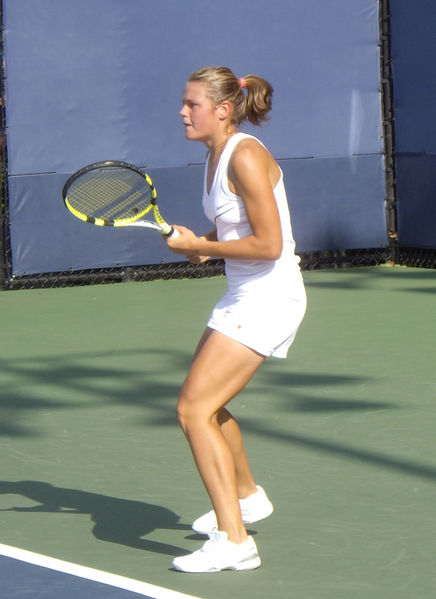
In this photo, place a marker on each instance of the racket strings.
(112, 194)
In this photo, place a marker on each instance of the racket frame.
(160, 225)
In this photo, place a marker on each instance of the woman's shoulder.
(251, 158)
(248, 150)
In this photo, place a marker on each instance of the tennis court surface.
(98, 488)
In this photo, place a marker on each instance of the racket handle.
(173, 233)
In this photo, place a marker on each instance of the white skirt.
(267, 325)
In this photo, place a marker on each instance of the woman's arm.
(199, 259)
(252, 174)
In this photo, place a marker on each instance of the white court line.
(121, 582)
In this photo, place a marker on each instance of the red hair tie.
(242, 82)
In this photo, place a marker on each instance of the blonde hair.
(223, 85)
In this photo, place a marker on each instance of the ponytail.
(259, 98)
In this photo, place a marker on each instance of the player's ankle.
(237, 537)
(247, 491)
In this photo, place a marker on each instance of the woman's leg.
(220, 370)
(229, 427)
(244, 479)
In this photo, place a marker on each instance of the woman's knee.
(192, 413)
(187, 412)
(182, 412)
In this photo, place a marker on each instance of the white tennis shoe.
(218, 553)
(253, 508)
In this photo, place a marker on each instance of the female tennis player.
(244, 196)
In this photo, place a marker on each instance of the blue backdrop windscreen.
(103, 80)
(414, 75)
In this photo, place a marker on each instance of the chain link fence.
(185, 270)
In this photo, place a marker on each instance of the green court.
(341, 434)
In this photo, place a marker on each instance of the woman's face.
(199, 114)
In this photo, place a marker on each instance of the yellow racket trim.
(102, 222)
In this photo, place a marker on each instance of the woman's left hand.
(197, 259)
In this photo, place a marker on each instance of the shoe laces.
(214, 537)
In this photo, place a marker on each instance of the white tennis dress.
(265, 301)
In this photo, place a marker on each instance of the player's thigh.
(221, 368)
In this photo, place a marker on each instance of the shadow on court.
(341, 450)
(70, 381)
(123, 521)
(74, 381)
(119, 521)
(297, 401)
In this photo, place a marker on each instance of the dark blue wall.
(414, 73)
(98, 80)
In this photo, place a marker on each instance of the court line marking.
(114, 580)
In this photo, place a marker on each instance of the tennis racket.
(114, 194)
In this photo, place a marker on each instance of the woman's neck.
(217, 145)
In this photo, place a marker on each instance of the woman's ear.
(224, 110)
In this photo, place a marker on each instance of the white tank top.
(227, 211)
